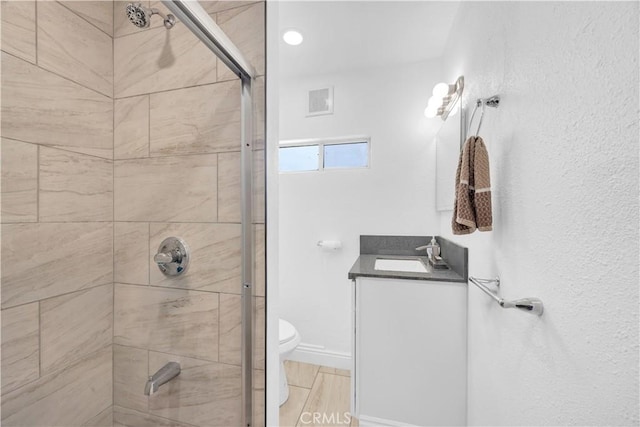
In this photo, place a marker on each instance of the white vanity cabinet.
(409, 352)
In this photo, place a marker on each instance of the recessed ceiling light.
(292, 37)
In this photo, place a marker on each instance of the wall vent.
(320, 102)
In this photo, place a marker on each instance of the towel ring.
(494, 102)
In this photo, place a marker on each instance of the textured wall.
(390, 197)
(57, 213)
(564, 155)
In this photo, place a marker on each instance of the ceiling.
(347, 35)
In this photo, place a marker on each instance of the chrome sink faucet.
(164, 375)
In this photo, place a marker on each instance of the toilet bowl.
(289, 340)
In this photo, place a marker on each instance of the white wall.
(394, 196)
(564, 156)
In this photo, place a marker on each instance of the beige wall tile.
(131, 127)
(166, 189)
(99, 13)
(259, 192)
(41, 107)
(259, 326)
(130, 367)
(215, 256)
(19, 29)
(259, 260)
(156, 60)
(172, 320)
(300, 374)
(259, 110)
(20, 346)
(19, 181)
(259, 381)
(74, 325)
(45, 260)
(329, 395)
(213, 6)
(131, 246)
(204, 394)
(245, 27)
(203, 119)
(124, 417)
(67, 398)
(103, 419)
(229, 187)
(75, 187)
(230, 329)
(291, 410)
(70, 46)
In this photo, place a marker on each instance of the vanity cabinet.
(409, 351)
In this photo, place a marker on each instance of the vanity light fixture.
(292, 37)
(444, 98)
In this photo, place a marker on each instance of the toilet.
(289, 340)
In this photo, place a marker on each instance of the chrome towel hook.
(493, 102)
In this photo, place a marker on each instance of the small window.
(319, 155)
(299, 159)
(352, 155)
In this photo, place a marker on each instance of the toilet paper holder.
(330, 244)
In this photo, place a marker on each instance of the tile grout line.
(39, 340)
(83, 18)
(38, 184)
(62, 295)
(37, 30)
(46, 70)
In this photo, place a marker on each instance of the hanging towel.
(472, 207)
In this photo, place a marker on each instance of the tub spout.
(164, 375)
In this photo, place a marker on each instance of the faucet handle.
(423, 248)
(163, 258)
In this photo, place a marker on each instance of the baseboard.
(317, 355)
(367, 421)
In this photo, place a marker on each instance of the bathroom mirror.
(448, 141)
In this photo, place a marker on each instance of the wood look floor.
(318, 396)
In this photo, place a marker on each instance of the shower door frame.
(196, 19)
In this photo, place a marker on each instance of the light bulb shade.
(430, 112)
(434, 102)
(441, 90)
(292, 37)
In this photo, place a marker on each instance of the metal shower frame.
(196, 19)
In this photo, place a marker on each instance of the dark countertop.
(403, 247)
(364, 267)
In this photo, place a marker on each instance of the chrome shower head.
(140, 16)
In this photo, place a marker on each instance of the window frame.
(320, 143)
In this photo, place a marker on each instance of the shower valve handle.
(164, 257)
(173, 256)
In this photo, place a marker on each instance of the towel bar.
(493, 102)
(530, 305)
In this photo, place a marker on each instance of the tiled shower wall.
(113, 139)
(57, 213)
(177, 173)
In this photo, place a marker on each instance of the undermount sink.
(408, 265)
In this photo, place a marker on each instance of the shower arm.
(169, 20)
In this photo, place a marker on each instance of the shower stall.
(132, 210)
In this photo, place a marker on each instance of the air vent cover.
(320, 102)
